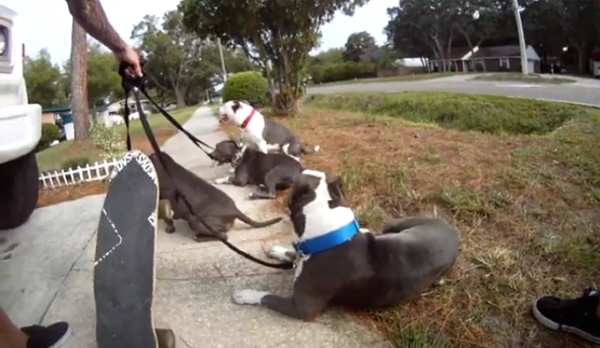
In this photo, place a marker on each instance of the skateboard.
(124, 262)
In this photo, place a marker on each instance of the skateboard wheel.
(165, 338)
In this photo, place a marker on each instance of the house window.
(504, 63)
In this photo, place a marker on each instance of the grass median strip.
(531, 78)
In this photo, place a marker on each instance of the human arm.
(90, 15)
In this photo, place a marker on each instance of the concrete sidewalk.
(195, 280)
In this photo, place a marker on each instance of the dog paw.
(248, 297)
(221, 181)
(278, 253)
(364, 230)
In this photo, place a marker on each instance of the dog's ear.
(334, 181)
(334, 187)
(302, 192)
(235, 106)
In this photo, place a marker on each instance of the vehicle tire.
(19, 189)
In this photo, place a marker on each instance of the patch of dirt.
(51, 196)
(527, 227)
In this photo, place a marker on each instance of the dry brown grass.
(527, 226)
(69, 193)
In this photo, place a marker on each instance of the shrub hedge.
(73, 163)
(248, 85)
(50, 133)
(342, 72)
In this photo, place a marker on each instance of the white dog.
(264, 134)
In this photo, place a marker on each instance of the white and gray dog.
(263, 134)
(337, 263)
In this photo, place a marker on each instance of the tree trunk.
(180, 98)
(79, 100)
(270, 82)
(583, 52)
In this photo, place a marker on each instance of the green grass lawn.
(531, 78)
(53, 157)
(414, 77)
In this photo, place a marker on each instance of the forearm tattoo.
(90, 15)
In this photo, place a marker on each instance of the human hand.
(131, 57)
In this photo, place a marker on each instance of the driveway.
(580, 92)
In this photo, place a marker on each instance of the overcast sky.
(47, 23)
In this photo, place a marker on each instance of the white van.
(20, 129)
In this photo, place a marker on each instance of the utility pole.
(522, 46)
(222, 60)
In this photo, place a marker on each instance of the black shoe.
(577, 316)
(52, 336)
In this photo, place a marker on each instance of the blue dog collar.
(329, 240)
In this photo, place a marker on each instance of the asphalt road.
(584, 92)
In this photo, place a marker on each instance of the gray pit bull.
(272, 171)
(338, 264)
(208, 204)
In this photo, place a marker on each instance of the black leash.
(138, 84)
(128, 83)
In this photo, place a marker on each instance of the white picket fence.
(66, 177)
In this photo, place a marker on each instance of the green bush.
(489, 114)
(343, 71)
(248, 85)
(109, 140)
(50, 133)
(75, 162)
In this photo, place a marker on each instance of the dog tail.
(307, 151)
(257, 224)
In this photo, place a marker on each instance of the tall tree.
(282, 32)
(359, 44)
(581, 28)
(79, 98)
(174, 55)
(431, 22)
(544, 22)
(103, 80)
(43, 80)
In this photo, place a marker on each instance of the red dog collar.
(248, 119)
